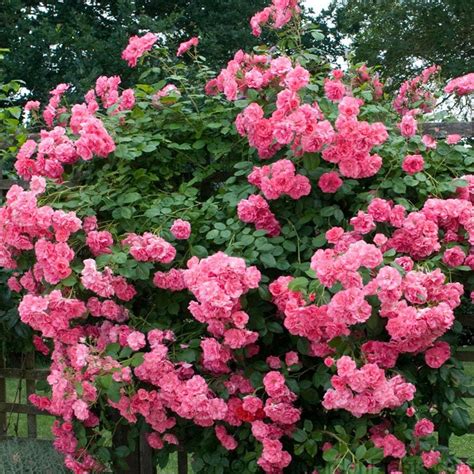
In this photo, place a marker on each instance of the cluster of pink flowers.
(463, 85)
(88, 326)
(365, 390)
(255, 210)
(55, 149)
(106, 88)
(51, 313)
(253, 71)
(321, 324)
(25, 226)
(218, 282)
(418, 233)
(280, 179)
(53, 111)
(149, 248)
(414, 96)
(278, 14)
(301, 126)
(172, 280)
(364, 77)
(104, 283)
(391, 445)
(137, 47)
(351, 146)
(187, 45)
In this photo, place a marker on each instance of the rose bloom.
(428, 141)
(186, 45)
(330, 182)
(413, 164)
(453, 139)
(181, 229)
(408, 126)
(430, 458)
(437, 355)
(423, 427)
(454, 257)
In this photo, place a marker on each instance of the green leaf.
(71, 280)
(137, 359)
(361, 452)
(268, 260)
(112, 349)
(122, 451)
(330, 455)
(361, 429)
(311, 447)
(188, 355)
(319, 241)
(298, 284)
(460, 420)
(113, 392)
(300, 436)
(199, 251)
(275, 327)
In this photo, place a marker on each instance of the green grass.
(16, 393)
(17, 426)
(462, 446)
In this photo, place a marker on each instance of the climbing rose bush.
(261, 267)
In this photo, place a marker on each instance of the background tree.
(405, 37)
(75, 41)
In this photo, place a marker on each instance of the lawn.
(462, 446)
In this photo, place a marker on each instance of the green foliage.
(404, 37)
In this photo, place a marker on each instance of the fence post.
(146, 456)
(30, 390)
(182, 461)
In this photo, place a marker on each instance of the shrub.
(299, 319)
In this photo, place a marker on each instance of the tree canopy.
(74, 41)
(405, 36)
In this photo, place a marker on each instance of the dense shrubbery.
(299, 319)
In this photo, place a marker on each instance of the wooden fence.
(141, 461)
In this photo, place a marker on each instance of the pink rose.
(181, 229)
(453, 139)
(437, 355)
(430, 458)
(428, 141)
(136, 340)
(413, 164)
(408, 126)
(454, 257)
(330, 182)
(187, 45)
(423, 427)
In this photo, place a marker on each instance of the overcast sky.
(317, 5)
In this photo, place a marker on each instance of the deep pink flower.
(181, 229)
(187, 45)
(413, 164)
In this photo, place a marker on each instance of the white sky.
(317, 5)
